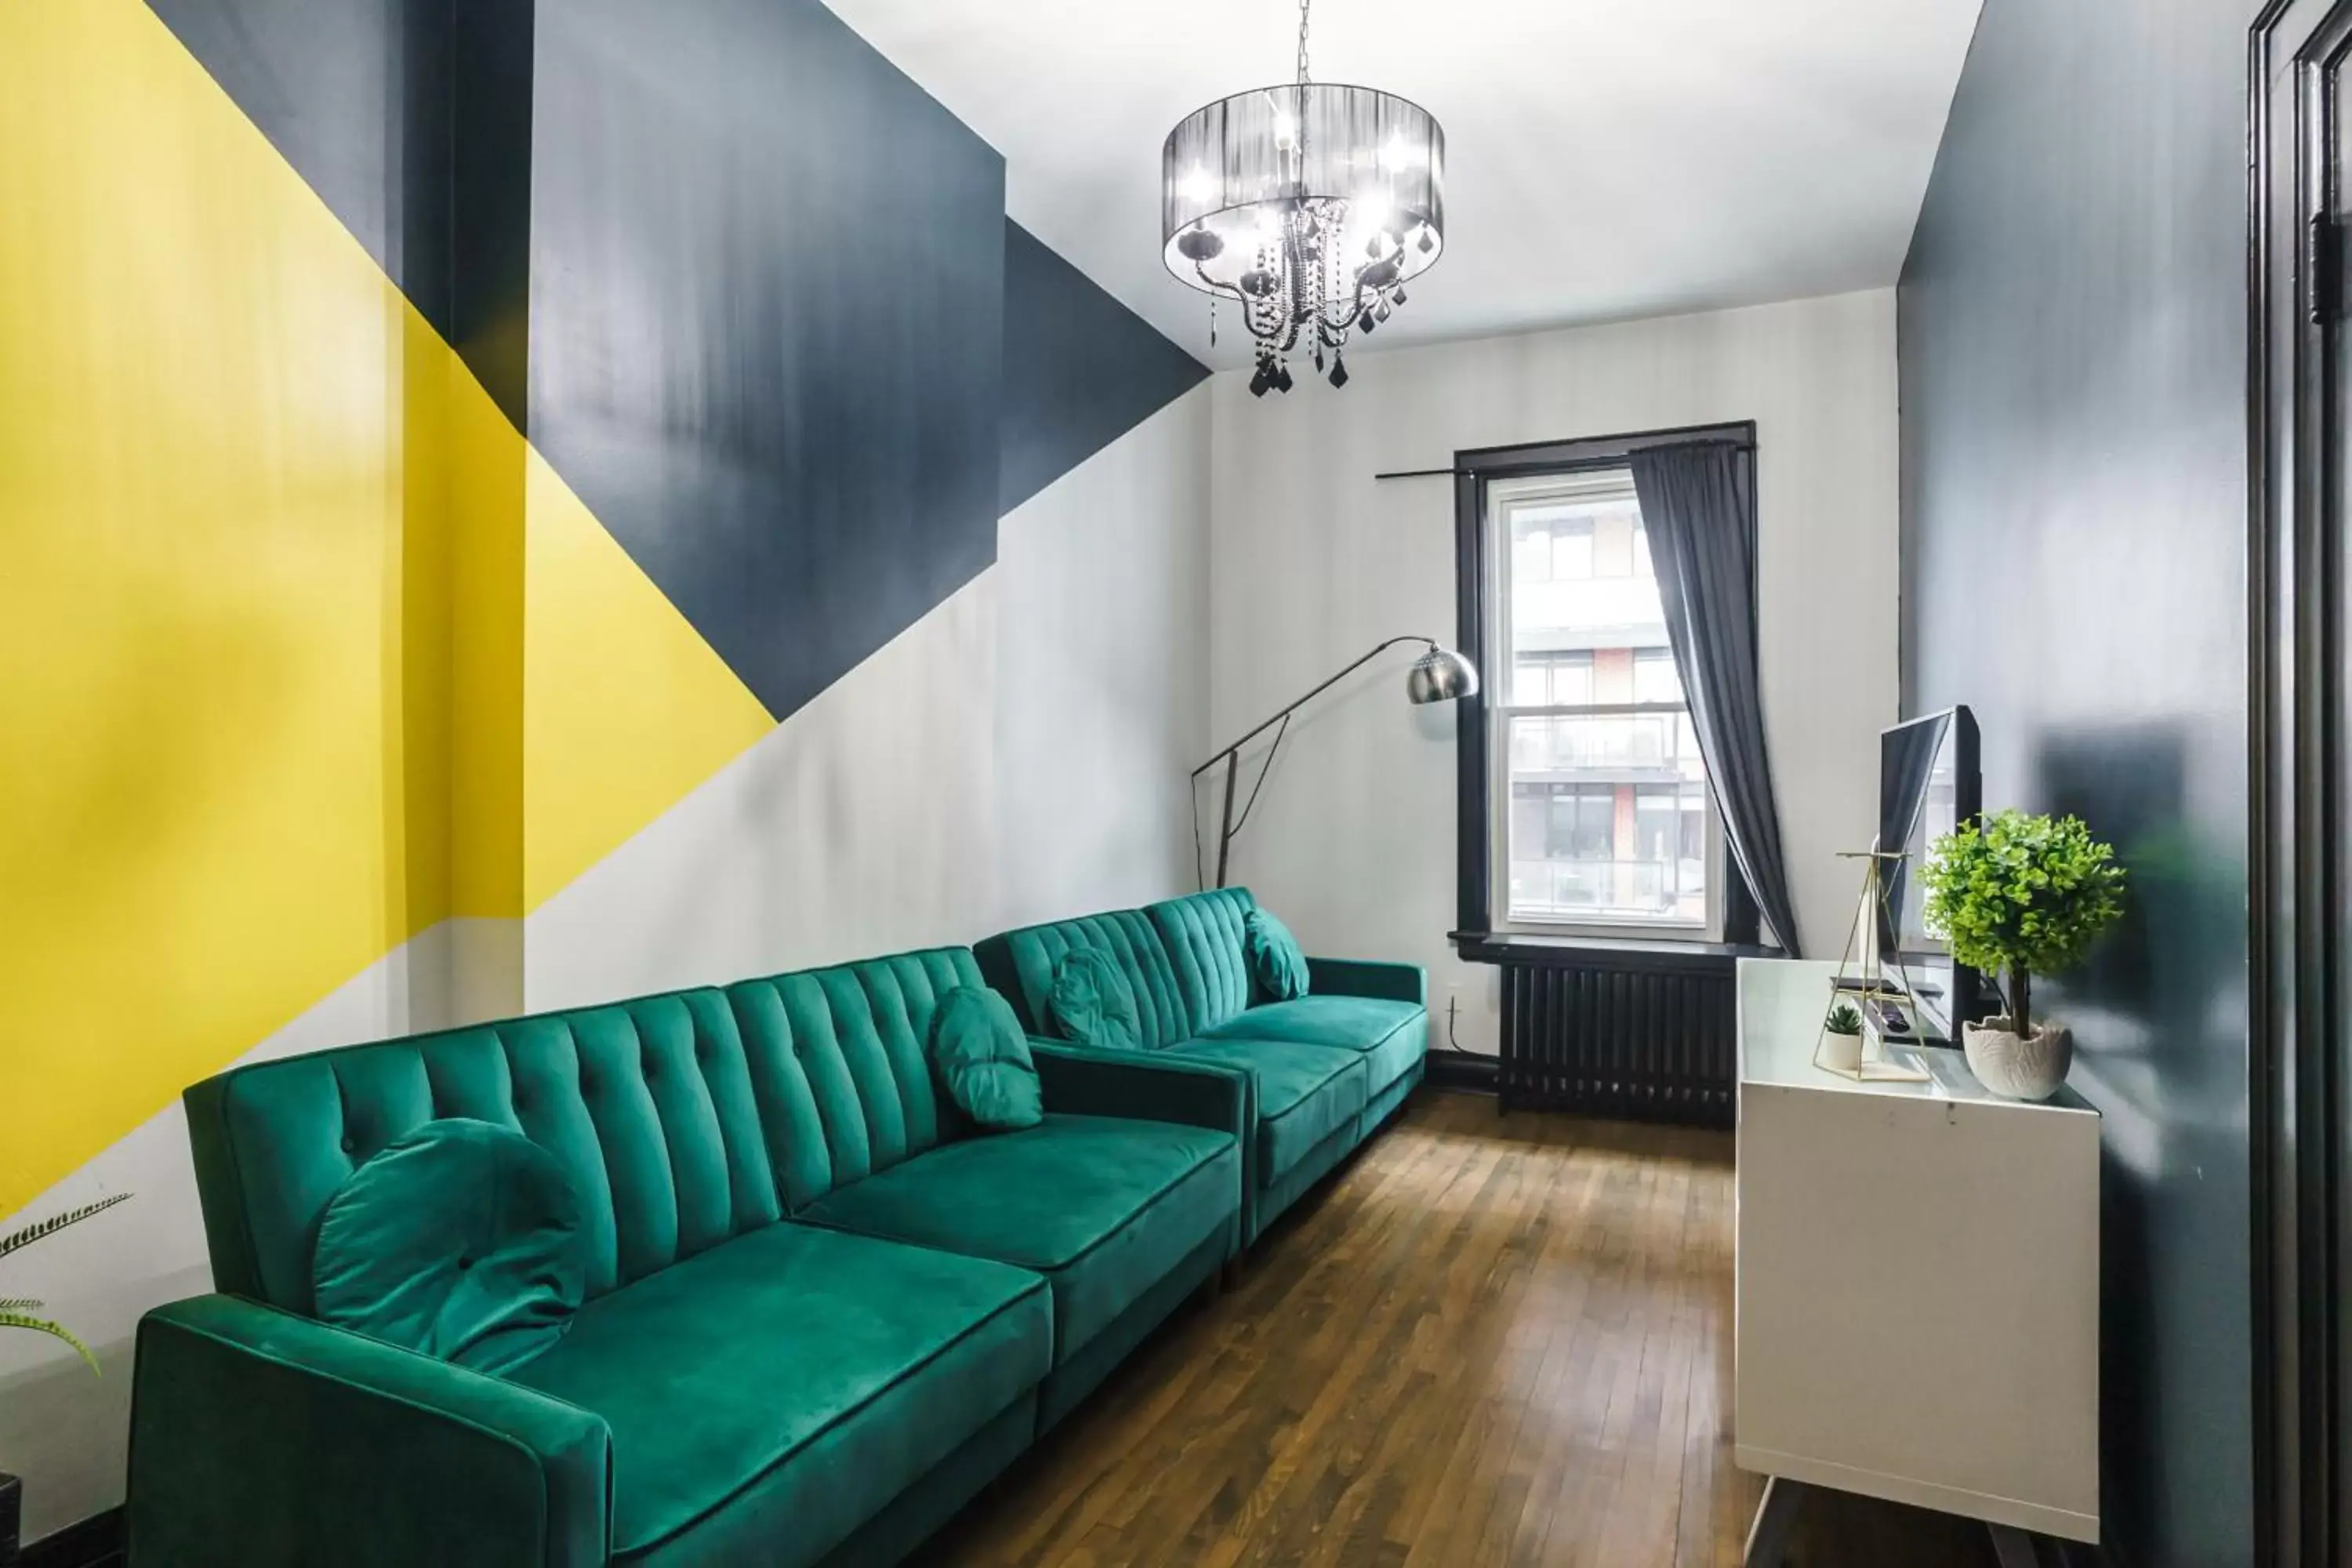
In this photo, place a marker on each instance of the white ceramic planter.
(1841, 1053)
(2029, 1069)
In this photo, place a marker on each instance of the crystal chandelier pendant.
(1308, 207)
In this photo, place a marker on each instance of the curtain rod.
(1589, 462)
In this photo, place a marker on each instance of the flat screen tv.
(1928, 783)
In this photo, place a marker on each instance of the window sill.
(1523, 947)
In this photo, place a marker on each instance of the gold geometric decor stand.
(1862, 981)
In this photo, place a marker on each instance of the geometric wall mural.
(1080, 368)
(765, 322)
(310, 648)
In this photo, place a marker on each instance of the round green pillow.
(1275, 960)
(463, 1239)
(1093, 1003)
(984, 1059)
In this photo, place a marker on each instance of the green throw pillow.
(463, 1239)
(1274, 959)
(1093, 1003)
(984, 1058)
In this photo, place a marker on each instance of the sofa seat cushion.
(791, 1382)
(1103, 1207)
(1305, 1093)
(1390, 1036)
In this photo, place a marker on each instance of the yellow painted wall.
(626, 707)
(284, 677)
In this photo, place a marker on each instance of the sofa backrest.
(1202, 935)
(1021, 965)
(649, 1104)
(683, 1119)
(841, 1063)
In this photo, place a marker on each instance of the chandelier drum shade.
(1308, 206)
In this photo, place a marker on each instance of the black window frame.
(1474, 469)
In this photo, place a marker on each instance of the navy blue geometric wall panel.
(356, 95)
(1080, 369)
(766, 300)
(748, 287)
(412, 119)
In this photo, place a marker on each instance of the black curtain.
(1698, 503)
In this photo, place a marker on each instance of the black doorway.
(2300, 427)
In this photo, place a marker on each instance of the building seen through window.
(1609, 821)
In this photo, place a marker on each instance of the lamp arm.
(1223, 752)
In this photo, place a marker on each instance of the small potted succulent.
(2022, 895)
(1841, 1049)
(23, 1313)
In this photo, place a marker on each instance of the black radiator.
(1635, 1035)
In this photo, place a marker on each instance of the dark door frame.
(2297, 785)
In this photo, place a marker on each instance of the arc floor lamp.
(1439, 675)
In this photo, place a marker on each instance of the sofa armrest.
(260, 1438)
(1144, 1087)
(1363, 977)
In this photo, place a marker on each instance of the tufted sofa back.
(1021, 965)
(1202, 932)
(841, 1066)
(683, 1119)
(647, 1103)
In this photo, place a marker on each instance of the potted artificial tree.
(23, 1313)
(2022, 895)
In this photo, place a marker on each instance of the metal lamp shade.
(1441, 674)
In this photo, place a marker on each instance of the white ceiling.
(1605, 159)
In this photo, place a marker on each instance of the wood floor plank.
(1486, 1342)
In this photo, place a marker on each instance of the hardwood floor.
(1486, 1342)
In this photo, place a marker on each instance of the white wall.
(1312, 562)
(1102, 700)
(1017, 753)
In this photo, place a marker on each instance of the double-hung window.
(1600, 816)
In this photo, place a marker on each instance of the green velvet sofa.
(821, 1311)
(1324, 1071)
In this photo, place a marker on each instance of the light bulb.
(1197, 184)
(1399, 154)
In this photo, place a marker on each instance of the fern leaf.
(56, 1330)
(55, 1222)
(19, 1304)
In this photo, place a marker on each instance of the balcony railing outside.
(1645, 743)
(1647, 891)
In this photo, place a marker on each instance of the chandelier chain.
(1303, 6)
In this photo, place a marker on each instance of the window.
(1600, 793)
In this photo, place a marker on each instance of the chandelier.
(1309, 206)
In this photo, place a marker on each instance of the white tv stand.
(1917, 1285)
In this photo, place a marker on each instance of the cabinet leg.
(1776, 1516)
(2013, 1547)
